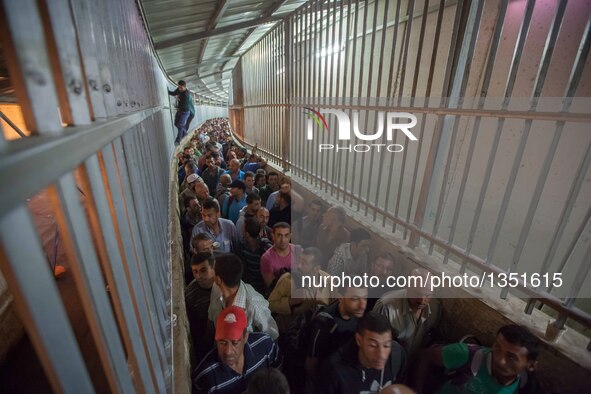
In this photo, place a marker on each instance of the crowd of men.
(249, 239)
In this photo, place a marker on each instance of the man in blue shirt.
(236, 201)
(237, 356)
(222, 231)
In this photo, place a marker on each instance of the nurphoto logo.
(392, 125)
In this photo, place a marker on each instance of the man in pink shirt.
(281, 255)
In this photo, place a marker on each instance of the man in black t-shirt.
(182, 112)
(367, 364)
(334, 326)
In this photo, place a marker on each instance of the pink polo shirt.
(271, 262)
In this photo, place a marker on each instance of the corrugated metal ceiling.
(201, 41)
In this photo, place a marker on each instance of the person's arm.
(262, 321)
(335, 264)
(173, 92)
(280, 296)
(297, 201)
(266, 269)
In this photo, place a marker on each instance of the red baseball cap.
(230, 324)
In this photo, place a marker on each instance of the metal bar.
(430, 163)
(72, 149)
(37, 301)
(288, 80)
(113, 267)
(502, 114)
(580, 277)
(12, 125)
(523, 141)
(496, 38)
(378, 93)
(389, 94)
(88, 277)
(159, 320)
(463, 68)
(345, 77)
(540, 79)
(400, 69)
(337, 76)
(351, 94)
(359, 95)
(28, 64)
(407, 35)
(187, 38)
(131, 263)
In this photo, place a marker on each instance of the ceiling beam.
(215, 32)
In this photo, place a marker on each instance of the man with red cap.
(237, 356)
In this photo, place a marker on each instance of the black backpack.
(299, 333)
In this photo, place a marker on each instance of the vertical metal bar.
(67, 69)
(424, 119)
(351, 96)
(288, 80)
(341, 96)
(132, 263)
(86, 49)
(413, 91)
(378, 93)
(73, 227)
(310, 77)
(430, 164)
(360, 95)
(464, 70)
(540, 79)
(496, 38)
(580, 277)
(368, 101)
(523, 141)
(324, 75)
(28, 64)
(336, 80)
(38, 301)
(113, 268)
(153, 302)
(390, 93)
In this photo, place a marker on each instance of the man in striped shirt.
(238, 355)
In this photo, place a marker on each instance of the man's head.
(260, 180)
(202, 268)
(419, 291)
(334, 217)
(237, 189)
(225, 180)
(253, 204)
(281, 235)
(263, 216)
(182, 85)
(234, 165)
(352, 303)
(202, 242)
(283, 200)
(210, 161)
(251, 228)
(202, 191)
(374, 338)
(192, 178)
(210, 212)
(228, 271)
(383, 265)
(192, 206)
(249, 180)
(253, 158)
(190, 168)
(268, 381)
(514, 351)
(231, 335)
(314, 210)
(360, 242)
(272, 180)
(310, 261)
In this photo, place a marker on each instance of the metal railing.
(496, 180)
(94, 98)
